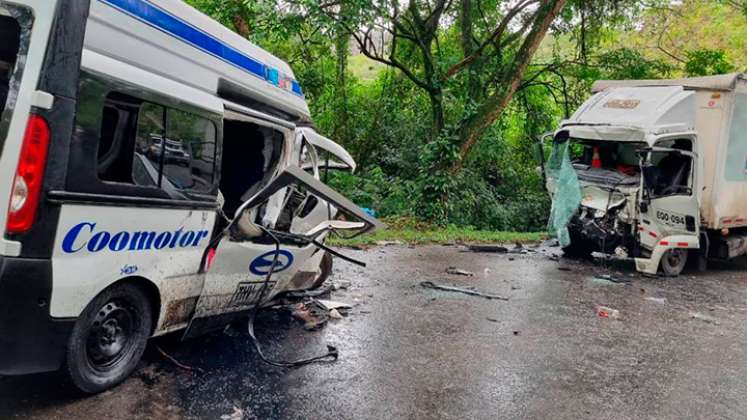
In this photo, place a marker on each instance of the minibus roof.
(176, 41)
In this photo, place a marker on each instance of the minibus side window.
(149, 145)
(189, 151)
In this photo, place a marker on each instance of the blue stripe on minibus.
(166, 22)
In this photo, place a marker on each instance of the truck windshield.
(606, 162)
(10, 33)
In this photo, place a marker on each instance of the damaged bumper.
(31, 341)
(651, 265)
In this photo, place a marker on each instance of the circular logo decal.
(261, 265)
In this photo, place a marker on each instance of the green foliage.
(707, 62)
(385, 121)
(627, 63)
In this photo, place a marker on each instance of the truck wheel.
(578, 250)
(108, 339)
(326, 269)
(673, 262)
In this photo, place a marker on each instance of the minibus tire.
(108, 339)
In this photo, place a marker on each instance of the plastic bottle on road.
(607, 312)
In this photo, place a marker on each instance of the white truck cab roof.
(634, 113)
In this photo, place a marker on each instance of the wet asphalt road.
(410, 352)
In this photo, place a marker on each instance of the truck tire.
(325, 267)
(108, 339)
(673, 262)
(577, 251)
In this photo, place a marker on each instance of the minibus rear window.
(10, 34)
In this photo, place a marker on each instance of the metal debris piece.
(431, 285)
(459, 272)
(335, 314)
(564, 268)
(331, 304)
(322, 290)
(608, 278)
(488, 248)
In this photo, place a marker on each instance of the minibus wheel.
(109, 338)
(673, 262)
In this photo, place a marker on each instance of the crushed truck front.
(633, 184)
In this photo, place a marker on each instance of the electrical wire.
(332, 353)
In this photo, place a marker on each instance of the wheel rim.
(674, 259)
(112, 335)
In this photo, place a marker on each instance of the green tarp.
(567, 195)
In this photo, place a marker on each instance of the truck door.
(670, 205)
(238, 262)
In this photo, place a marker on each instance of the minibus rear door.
(247, 263)
(41, 43)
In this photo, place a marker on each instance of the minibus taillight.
(209, 259)
(24, 197)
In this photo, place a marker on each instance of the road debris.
(703, 317)
(459, 272)
(659, 300)
(319, 291)
(341, 285)
(431, 285)
(607, 312)
(238, 414)
(564, 268)
(332, 304)
(551, 243)
(496, 249)
(311, 314)
(388, 243)
(177, 363)
(492, 319)
(608, 278)
(335, 314)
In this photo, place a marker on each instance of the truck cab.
(633, 153)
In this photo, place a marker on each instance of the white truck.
(662, 169)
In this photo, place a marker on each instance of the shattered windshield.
(606, 162)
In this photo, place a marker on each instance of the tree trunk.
(437, 113)
(476, 125)
(342, 46)
(241, 26)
